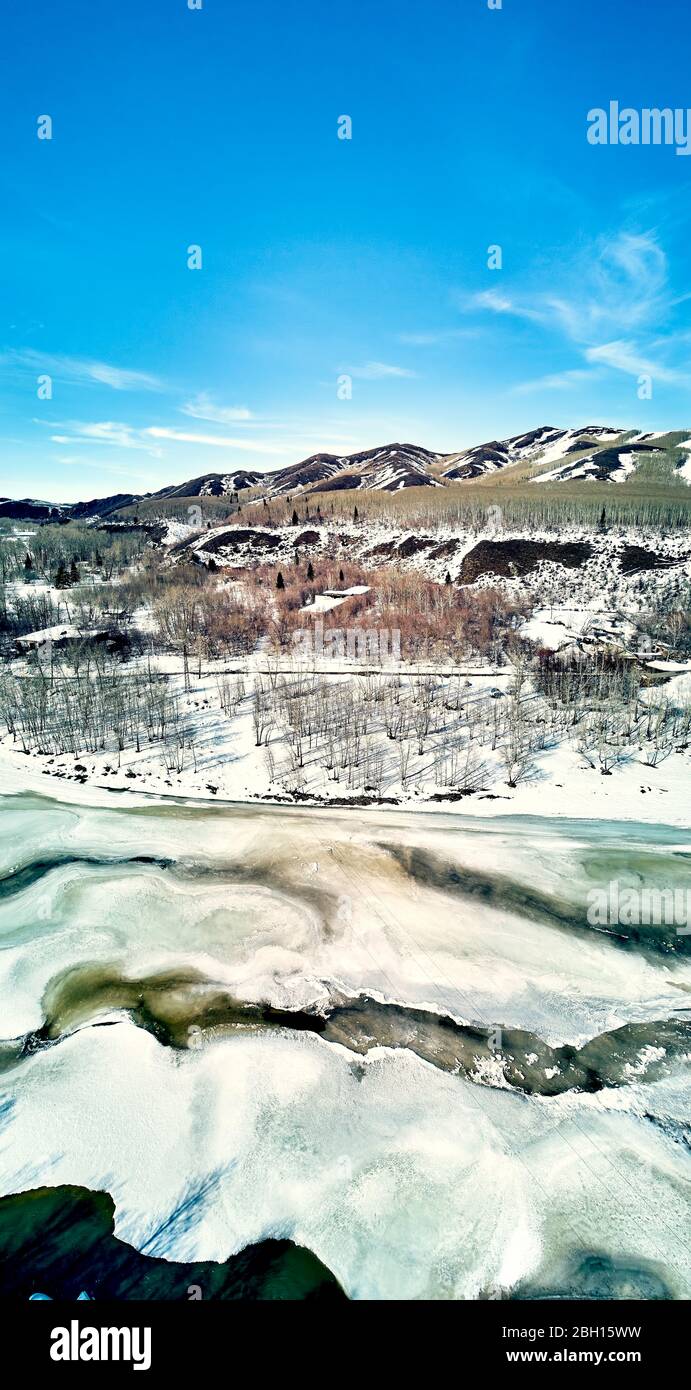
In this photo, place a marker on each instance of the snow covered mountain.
(543, 445)
(213, 484)
(600, 453)
(387, 468)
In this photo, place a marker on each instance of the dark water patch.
(679, 1131)
(320, 901)
(183, 1009)
(593, 1275)
(507, 895)
(59, 1241)
(19, 879)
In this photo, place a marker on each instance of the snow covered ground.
(228, 765)
(586, 609)
(609, 577)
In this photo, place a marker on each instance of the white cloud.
(619, 283)
(626, 357)
(201, 407)
(77, 370)
(435, 337)
(216, 441)
(122, 436)
(376, 371)
(101, 432)
(108, 470)
(617, 287)
(556, 381)
(501, 304)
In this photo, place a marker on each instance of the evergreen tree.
(355, 513)
(310, 570)
(62, 578)
(296, 519)
(28, 563)
(448, 578)
(74, 572)
(280, 582)
(341, 576)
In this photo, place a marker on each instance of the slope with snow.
(586, 452)
(543, 445)
(610, 465)
(387, 468)
(214, 484)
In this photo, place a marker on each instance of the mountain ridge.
(603, 453)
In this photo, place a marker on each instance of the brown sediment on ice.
(184, 1010)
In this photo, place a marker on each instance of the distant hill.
(600, 453)
(213, 485)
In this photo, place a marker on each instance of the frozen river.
(391, 1038)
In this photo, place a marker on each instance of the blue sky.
(324, 257)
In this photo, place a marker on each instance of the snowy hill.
(601, 453)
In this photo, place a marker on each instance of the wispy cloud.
(76, 369)
(108, 470)
(556, 381)
(615, 289)
(626, 357)
(503, 304)
(111, 432)
(283, 441)
(435, 337)
(377, 371)
(215, 441)
(201, 407)
(619, 284)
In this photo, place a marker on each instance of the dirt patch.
(636, 557)
(237, 536)
(340, 801)
(412, 545)
(512, 558)
(384, 548)
(441, 552)
(307, 538)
